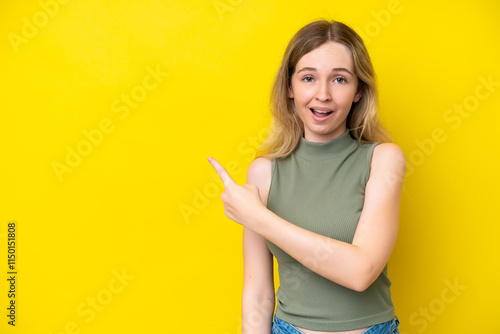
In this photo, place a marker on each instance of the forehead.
(327, 56)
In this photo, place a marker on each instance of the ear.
(357, 97)
(290, 92)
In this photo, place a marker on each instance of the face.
(323, 88)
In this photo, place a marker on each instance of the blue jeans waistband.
(389, 327)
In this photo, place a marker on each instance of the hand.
(241, 203)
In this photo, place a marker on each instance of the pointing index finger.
(221, 171)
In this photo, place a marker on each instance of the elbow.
(263, 295)
(364, 277)
(360, 285)
(260, 298)
(263, 304)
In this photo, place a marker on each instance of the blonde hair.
(286, 126)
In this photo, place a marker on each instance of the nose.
(323, 92)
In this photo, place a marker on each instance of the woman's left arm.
(355, 265)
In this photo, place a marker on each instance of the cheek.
(303, 95)
(345, 98)
(300, 109)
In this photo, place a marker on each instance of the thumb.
(221, 171)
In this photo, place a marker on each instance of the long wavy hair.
(287, 128)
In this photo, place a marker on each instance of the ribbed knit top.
(321, 187)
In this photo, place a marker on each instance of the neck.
(319, 138)
(335, 147)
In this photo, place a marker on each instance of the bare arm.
(355, 265)
(258, 284)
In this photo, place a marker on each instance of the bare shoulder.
(259, 170)
(389, 157)
(259, 173)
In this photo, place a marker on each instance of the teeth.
(321, 111)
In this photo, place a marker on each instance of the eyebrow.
(336, 69)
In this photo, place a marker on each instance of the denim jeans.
(389, 327)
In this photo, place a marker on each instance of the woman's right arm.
(258, 283)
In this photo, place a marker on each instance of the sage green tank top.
(321, 187)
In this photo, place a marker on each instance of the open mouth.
(320, 113)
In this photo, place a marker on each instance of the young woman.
(323, 197)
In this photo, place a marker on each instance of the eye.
(308, 78)
(340, 80)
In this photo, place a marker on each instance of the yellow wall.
(109, 110)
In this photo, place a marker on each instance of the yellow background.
(143, 200)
